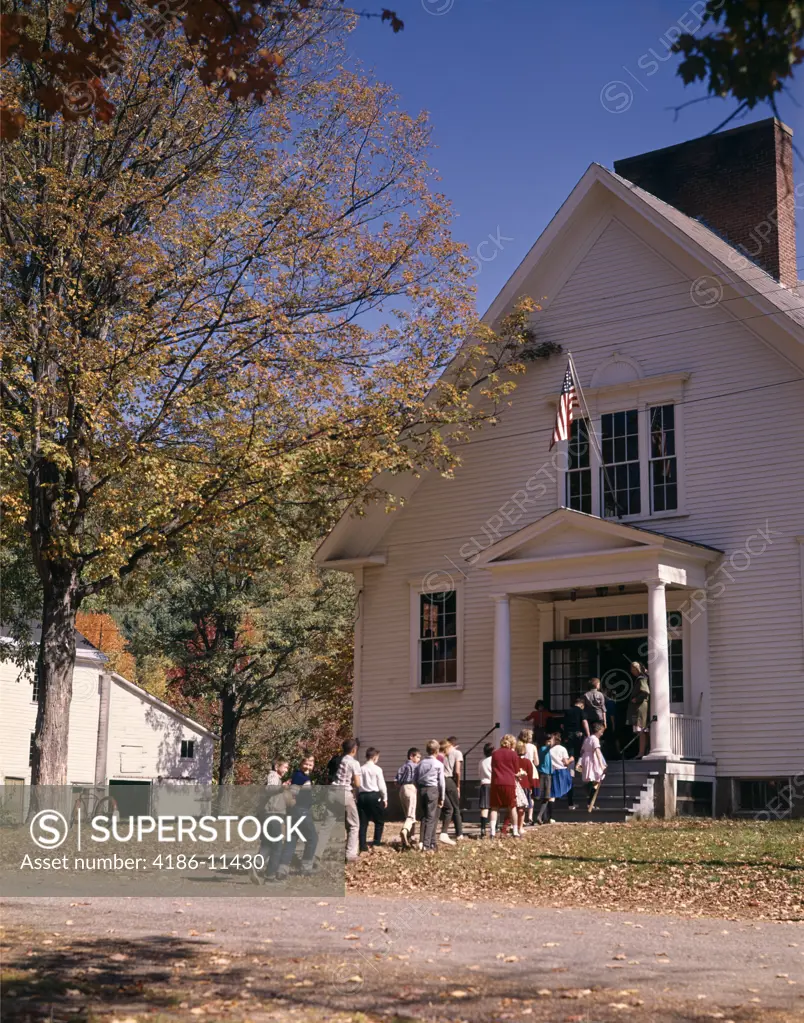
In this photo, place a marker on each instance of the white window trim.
(643, 394)
(417, 588)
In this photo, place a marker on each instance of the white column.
(659, 671)
(501, 691)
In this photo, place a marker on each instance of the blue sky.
(523, 95)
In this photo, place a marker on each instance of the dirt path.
(375, 954)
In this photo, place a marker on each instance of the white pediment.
(566, 540)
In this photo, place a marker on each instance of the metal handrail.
(622, 756)
(485, 735)
(493, 728)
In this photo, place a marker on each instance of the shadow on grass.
(632, 861)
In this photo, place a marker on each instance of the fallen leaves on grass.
(736, 869)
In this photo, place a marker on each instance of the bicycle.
(92, 805)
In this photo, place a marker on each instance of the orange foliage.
(102, 632)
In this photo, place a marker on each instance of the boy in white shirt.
(372, 799)
(347, 778)
(485, 787)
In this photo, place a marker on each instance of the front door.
(568, 666)
(617, 683)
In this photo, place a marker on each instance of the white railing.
(686, 735)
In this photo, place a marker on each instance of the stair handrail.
(485, 735)
(622, 755)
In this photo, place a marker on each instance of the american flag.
(567, 403)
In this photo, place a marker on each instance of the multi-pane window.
(438, 638)
(663, 462)
(675, 651)
(31, 750)
(570, 668)
(35, 685)
(639, 623)
(187, 749)
(579, 469)
(609, 623)
(620, 472)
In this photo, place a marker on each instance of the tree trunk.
(230, 720)
(55, 674)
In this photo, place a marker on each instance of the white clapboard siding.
(19, 720)
(144, 739)
(743, 468)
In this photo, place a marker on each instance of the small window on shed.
(187, 749)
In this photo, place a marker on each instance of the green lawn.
(692, 867)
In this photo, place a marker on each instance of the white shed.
(120, 735)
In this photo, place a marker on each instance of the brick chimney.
(737, 182)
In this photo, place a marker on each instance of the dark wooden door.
(568, 666)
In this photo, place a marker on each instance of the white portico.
(577, 564)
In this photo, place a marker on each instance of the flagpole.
(587, 413)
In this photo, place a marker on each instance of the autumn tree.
(747, 50)
(208, 307)
(254, 630)
(70, 50)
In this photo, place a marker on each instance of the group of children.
(514, 778)
(519, 774)
(429, 788)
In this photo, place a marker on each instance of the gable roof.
(779, 318)
(710, 249)
(85, 651)
(147, 697)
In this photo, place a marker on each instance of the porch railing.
(686, 736)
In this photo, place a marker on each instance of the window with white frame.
(663, 461)
(435, 638)
(620, 471)
(438, 639)
(187, 749)
(675, 653)
(579, 468)
(625, 463)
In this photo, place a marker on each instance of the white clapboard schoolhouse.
(670, 525)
